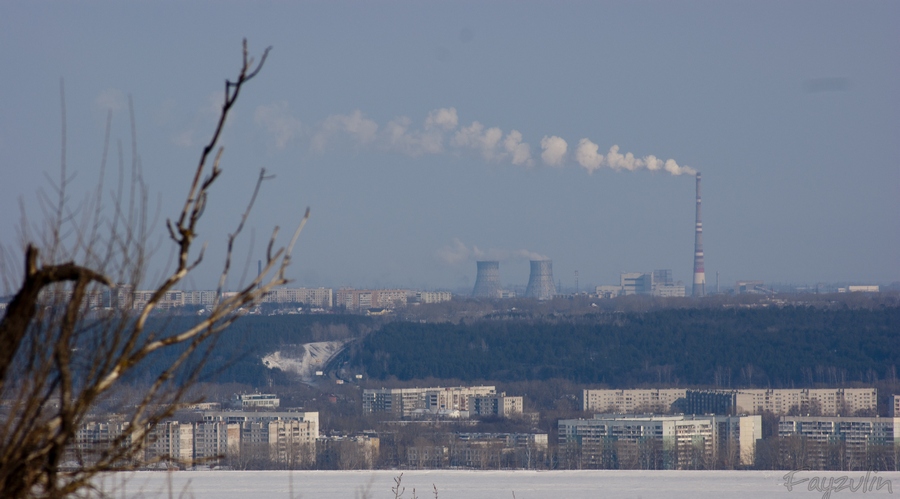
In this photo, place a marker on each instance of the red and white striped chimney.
(699, 273)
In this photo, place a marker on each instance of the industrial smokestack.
(540, 283)
(487, 281)
(699, 274)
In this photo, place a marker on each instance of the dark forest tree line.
(777, 347)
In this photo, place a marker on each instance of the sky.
(427, 135)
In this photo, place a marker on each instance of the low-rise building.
(432, 296)
(357, 452)
(258, 400)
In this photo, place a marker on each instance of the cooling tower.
(699, 273)
(540, 283)
(487, 281)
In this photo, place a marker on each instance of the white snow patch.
(313, 358)
(459, 484)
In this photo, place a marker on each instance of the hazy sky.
(427, 135)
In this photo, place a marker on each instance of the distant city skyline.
(425, 137)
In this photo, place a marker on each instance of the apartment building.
(358, 300)
(495, 405)
(831, 442)
(314, 297)
(458, 401)
(214, 440)
(652, 400)
(820, 401)
(170, 441)
(610, 441)
(94, 437)
(433, 296)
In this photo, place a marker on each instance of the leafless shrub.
(60, 355)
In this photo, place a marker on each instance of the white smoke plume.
(355, 125)
(492, 145)
(442, 118)
(554, 150)
(277, 120)
(441, 133)
(458, 252)
(588, 157)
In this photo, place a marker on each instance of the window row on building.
(845, 443)
(815, 401)
(286, 438)
(610, 441)
(452, 402)
(480, 451)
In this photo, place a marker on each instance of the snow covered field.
(501, 484)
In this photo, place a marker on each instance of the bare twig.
(67, 358)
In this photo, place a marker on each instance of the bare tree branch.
(58, 358)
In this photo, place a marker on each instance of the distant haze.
(427, 136)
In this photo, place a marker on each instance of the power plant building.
(487, 280)
(699, 289)
(540, 282)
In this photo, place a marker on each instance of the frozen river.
(458, 484)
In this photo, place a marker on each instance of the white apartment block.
(170, 441)
(361, 299)
(315, 297)
(666, 442)
(244, 416)
(495, 405)
(259, 400)
(407, 402)
(129, 298)
(857, 437)
(433, 296)
(895, 406)
(95, 437)
(201, 298)
(283, 437)
(651, 400)
(215, 439)
(292, 441)
(824, 401)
